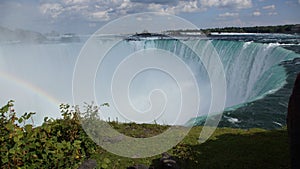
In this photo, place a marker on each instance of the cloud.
(52, 9)
(96, 10)
(188, 6)
(232, 4)
(228, 14)
(269, 7)
(163, 2)
(20, 14)
(272, 13)
(299, 1)
(182, 6)
(256, 13)
(100, 15)
(103, 10)
(75, 1)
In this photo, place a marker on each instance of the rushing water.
(259, 78)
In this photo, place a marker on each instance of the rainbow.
(27, 86)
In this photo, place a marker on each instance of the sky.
(87, 16)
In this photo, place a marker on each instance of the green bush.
(60, 143)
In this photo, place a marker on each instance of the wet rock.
(293, 124)
(168, 162)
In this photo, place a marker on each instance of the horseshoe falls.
(259, 78)
(259, 81)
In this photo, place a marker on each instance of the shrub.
(60, 143)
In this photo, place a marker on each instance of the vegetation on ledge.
(285, 29)
(62, 143)
(288, 29)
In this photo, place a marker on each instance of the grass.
(62, 143)
(227, 148)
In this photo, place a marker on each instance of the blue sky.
(86, 16)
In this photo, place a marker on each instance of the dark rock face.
(138, 166)
(88, 164)
(293, 124)
(168, 162)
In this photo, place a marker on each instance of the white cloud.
(54, 9)
(272, 13)
(156, 7)
(100, 15)
(103, 10)
(76, 8)
(188, 6)
(233, 4)
(182, 6)
(256, 13)
(228, 14)
(96, 10)
(68, 2)
(269, 7)
(162, 2)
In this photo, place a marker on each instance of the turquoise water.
(259, 78)
(258, 84)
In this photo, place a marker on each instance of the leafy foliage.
(257, 29)
(60, 143)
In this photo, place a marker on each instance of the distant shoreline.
(28, 36)
(284, 29)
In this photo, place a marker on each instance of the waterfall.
(254, 73)
(252, 69)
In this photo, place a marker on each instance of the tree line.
(290, 29)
